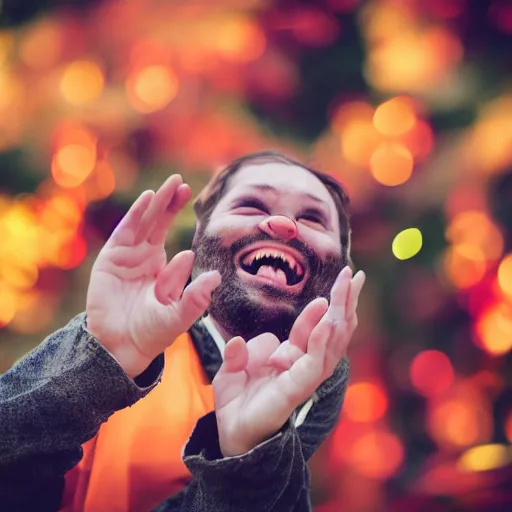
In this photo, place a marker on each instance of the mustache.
(309, 254)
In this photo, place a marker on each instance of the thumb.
(197, 298)
(236, 356)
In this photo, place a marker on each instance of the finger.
(339, 295)
(124, 233)
(235, 356)
(197, 297)
(171, 281)
(161, 200)
(161, 226)
(285, 356)
(319, 339)
(306, 322)
(260, 349)
(308, 371)
(353, 296)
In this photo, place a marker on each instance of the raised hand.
(262, 382)
(136, 302)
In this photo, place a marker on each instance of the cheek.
(233, 228)
(323, 244)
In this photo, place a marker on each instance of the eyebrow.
(269, 188)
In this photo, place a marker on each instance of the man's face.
(268, 278)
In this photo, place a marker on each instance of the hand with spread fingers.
(263, 381)
(136, 301)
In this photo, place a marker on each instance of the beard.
(234, 305)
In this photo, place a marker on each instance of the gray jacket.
(57, 397)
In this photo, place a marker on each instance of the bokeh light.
(407, 243)
(505, 275)
(152, 88)
(240, 39)
(460, 417)
(391, 164)
(476, 229)
(494, 329)
(394, 99)
(377, 454)
(464, 265)
(82, 82)
(395, 116)
(41, 44)
(72, 164)
(485, 458)
(365, 402)
(431, 372)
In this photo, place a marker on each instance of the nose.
(279, 226)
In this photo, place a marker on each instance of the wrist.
(132, 364)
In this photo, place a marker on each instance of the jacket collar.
(209, 344)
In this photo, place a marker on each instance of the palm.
(135, 303)
(246, 399)
(263, 381)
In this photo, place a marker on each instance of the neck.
(226, 336)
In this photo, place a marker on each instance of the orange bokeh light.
(358, 142)
(377, 454)
(494, 330)
(240, 39)
(349, 112)
(82, 82)
(419, 140)
(41, 44)
(8, 304)
(365, 402)
(353, 121)
(72, 164)
(505, 275)
(61, 211)
(64, 249)
(152, 88)
(464, 265)
(391, 164)
(19, 275)
(395, 116)
(488, 144)
(413, 60)
(69, 132)
(431, 372)
(12, 90)
(456, 423)
(475, 228)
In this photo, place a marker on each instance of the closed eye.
(250, 206)
(314, 217)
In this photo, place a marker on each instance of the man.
(95, 419)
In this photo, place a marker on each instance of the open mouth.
(275, 264)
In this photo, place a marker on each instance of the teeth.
(262, 253)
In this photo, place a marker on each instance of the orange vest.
(134, 462)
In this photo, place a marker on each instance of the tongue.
(272, 273)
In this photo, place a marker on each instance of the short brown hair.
(209, 197)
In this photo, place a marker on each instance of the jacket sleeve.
(274, 476)
(51, 402)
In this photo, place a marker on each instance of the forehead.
(289, 181)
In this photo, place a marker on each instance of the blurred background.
(408, 103)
